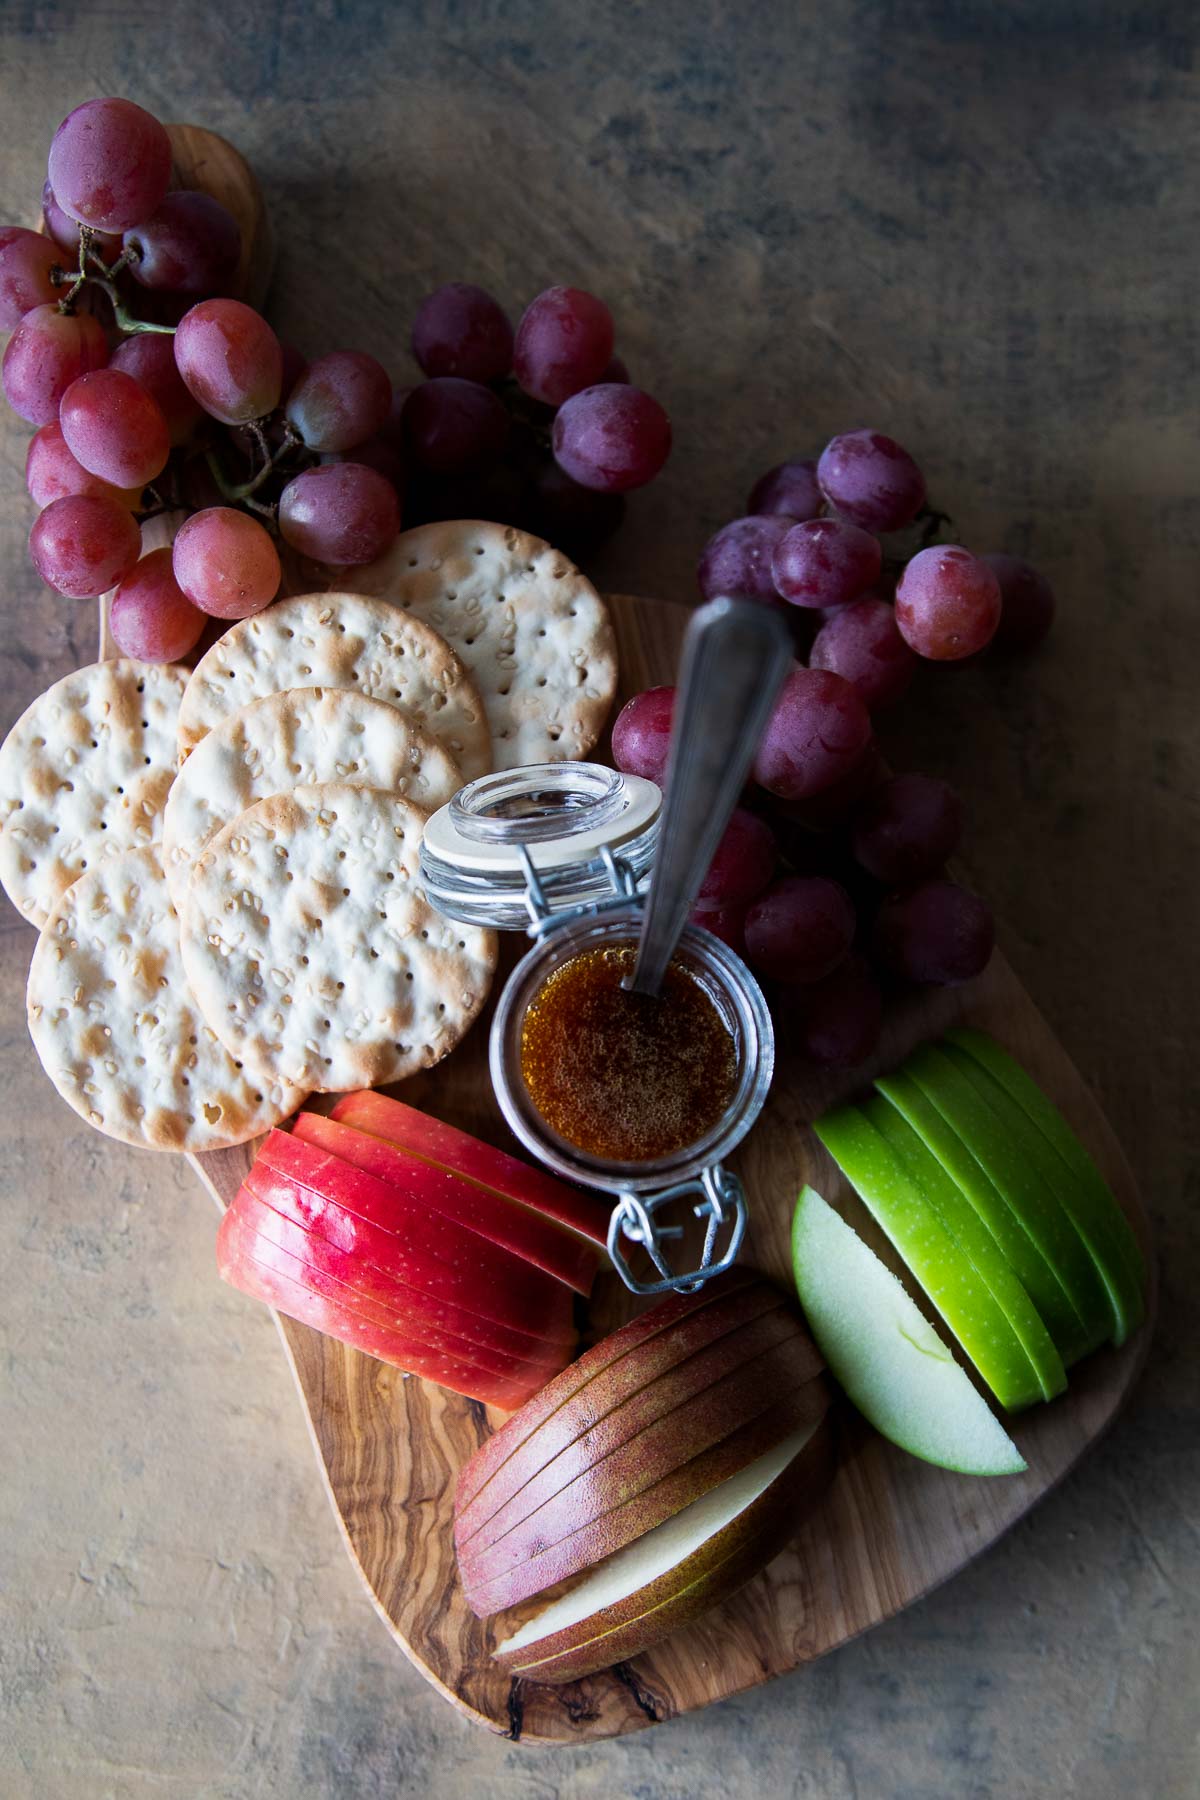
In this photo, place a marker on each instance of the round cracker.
(339, 640)
(311, 946)
(117, 1030)
(297, 739)
(533, 631)
(84, 775)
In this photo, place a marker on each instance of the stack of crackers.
(224, 863)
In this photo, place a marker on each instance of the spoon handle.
(735, 658)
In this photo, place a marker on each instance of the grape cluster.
(199, 407)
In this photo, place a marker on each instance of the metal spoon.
(735, 658)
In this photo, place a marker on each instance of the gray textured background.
(973, 225)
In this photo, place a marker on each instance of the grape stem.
(242, 491)
(82, 277)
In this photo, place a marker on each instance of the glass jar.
(565, 849)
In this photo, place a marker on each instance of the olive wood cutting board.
(890, 1528)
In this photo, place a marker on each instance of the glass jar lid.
(531, 844)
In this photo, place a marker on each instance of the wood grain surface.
(889, 1528)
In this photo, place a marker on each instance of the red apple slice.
(549, 1246)
(265, 1283)
(598, 1500)
(427, 1249)
(302, 1256)
(600, 1536)
(436, 1142)
(674, 1573)
(671, 1331)
(678, 1387)
(342, 1251)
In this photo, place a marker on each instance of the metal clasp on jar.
(635, 1218)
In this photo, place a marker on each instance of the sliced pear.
(1046, 1116)
(1020, 1240)
(886, 1355)
(966, 1228)
(900, 1207)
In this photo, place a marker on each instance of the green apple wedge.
(1093, 1222)
(976, 1242)
(1045, 1115)
(1027, 1246)
(886, 1355)
(1028, 1193)
(944, 1271)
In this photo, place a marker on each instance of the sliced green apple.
(973, 1238)
(1001, 1155)
(1046, 1116)
(886, 1355)
(902, 1210)
(1093, 1222)
(1026, 1245)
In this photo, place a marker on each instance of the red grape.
(150, 616)
(815, 736)
(726, 922)
(115, 428)
(736, 561)
(743, 864)
(340, 400)
(937, 932)
(191, 245)
(612, 437)
(907, 829)
(225, 563)
(461, 330)
(862, 642)
(800, 929)
(26, 259)
(376, 453)
(563, 344)
(454, 427)
(947, 603)
(46, 353)
(150, 358)
(789, 488)
(230, 360)
(825, 563)
(571, 517)
(110, 164)
(835, 1022)
(870, 480)
(51, 472)
(65, 231)
(1027, 603)
(84, 544)
(833, 804)
(340, 513)
(641, 736)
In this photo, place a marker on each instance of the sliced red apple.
(610, 1531)
(530, 1235)
(432, 1251)
(670, 1331)
(676, 1572)
(345, 1254)
(436, 1142)
(298, 1254)
(755, 1344)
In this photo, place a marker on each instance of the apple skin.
(1019, 1180)
(602, 1534)
(265, 1283)
(428, 1249)
(965, 1227)
(436, 1142)
(934, 1258)
(571, 1404)
(711, 1574)
(1022, 1247)
(307, 1259)
(528, 1234)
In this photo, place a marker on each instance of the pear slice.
(885, 1354)
(968, 1231)
(902, 1210)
